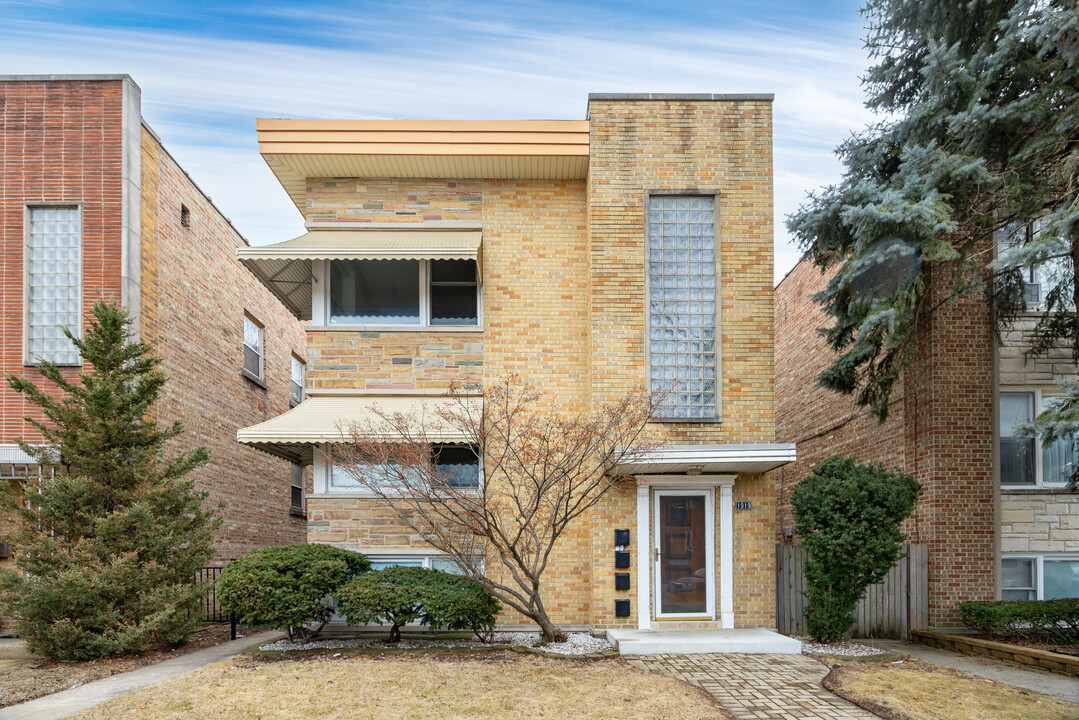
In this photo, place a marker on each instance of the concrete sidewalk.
(1047, 683)
(86, 696)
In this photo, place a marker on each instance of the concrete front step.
(685, 642)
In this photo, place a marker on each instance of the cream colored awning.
(285, 267)
(330, 419)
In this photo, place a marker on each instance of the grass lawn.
(498, 685)
(915, 690)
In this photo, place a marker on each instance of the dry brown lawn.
(503, 685)
(916, 690)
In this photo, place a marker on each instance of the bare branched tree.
(541, 470)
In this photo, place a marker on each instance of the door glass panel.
(683, 565)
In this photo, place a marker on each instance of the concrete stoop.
(690, 642)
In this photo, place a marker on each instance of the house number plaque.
(743, 505)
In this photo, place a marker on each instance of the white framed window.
(1027, 461)
(297, 486)
(1040, 278)
(53, 275)
(1039, 577)
(253, 348)
(430, 561)
(296, 387)
(403, 293)
(460, 465)
(682, 318)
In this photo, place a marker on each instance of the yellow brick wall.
(351, 360)
(754, 553)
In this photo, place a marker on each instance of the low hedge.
(402, 595)
(286, 587)
(1053, 621)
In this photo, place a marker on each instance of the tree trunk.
(551, 632)
(395, 634)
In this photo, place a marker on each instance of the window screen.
(1017, 460)
(297, 486)
(296, 394)
(453, 292)
(383, 292)
(252, 347)
(53, 259)
(1017, 579)
(682, 305)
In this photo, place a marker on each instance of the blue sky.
(207, 70)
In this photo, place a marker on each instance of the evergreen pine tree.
(106, 548)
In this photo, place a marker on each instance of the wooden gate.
(890, 609)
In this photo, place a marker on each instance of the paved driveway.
(758, 687)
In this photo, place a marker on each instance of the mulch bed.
(39, 677)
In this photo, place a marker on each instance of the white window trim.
(1039, 394)
(320, 304)
(715, 195)
(1039, 564)
(261, 377)
(303, 379)
(323, 487)
(27, 360)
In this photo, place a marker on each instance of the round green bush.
(286, 587)
(402, 595)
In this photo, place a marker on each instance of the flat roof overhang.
(714, 459)
(528, 149)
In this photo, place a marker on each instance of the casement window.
(430, 561)
(53, 262)
(254, 344)
(459, 464)
(1039, 278)
(296, 392)
(1039, 577)
(418, 293)
(1027, 461)
(682, 353)
(297, 487)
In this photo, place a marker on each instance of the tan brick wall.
(693, 146)
(401, 200)
(754, 553)
(194, 294)
(342, 359)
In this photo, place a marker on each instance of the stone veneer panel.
(1044, 522)
(399, 200)
(350, 360)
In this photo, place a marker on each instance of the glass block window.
(252, 347)
(53, 260)
(682, 305)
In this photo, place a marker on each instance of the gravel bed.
(848, 649)
(576, 643)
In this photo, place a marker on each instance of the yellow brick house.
(591, 257)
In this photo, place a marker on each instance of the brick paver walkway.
(758, 687)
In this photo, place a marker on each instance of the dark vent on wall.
(185, 216)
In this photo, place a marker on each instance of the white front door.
(684, 554)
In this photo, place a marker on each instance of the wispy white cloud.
(202, 94)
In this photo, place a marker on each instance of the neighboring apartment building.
(588, 256)
(92, 206)
(994, 511)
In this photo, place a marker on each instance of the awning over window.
(329, 419)
(285, 267)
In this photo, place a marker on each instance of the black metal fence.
(211, 611)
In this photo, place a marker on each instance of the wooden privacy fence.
(890, 609)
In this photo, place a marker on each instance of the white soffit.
(713, 459)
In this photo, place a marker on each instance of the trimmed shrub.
(403, 595)
(287, 587)
(848, 517)
(1053, 621)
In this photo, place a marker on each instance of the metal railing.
(210, 609)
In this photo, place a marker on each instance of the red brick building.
(993, 512)
(93, 206)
